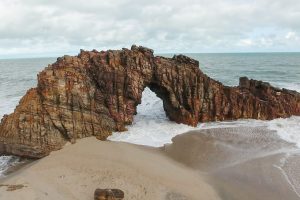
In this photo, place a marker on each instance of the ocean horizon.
(155, 53)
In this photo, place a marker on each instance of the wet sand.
(242, 163)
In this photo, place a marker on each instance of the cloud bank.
(54, 27)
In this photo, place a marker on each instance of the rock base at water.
(96, 93)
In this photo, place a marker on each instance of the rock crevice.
(96, 93)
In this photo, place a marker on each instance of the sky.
(38, 28)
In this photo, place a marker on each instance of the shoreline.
(242, 163)
(221, 163)
(16, 166)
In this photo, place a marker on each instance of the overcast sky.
(54, 27)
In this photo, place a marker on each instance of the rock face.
(96, 93)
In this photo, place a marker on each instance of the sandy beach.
(249, 163)
(77, 170)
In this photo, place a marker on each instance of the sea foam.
(6, 162)
(150, 126)
(288, 129)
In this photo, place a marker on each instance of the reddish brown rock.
(96, 93)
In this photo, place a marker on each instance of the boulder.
(108, 194)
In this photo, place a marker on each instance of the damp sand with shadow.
(249, 163)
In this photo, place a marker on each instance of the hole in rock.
(150, 125)
(151, 107)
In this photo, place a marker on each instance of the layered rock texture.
(96, 93)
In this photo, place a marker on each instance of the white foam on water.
(6, 162)
(288, 129)
(151, 127)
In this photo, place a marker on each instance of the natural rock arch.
(96, 93)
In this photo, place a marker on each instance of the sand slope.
(77, 170)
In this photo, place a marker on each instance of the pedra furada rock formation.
(96, 93)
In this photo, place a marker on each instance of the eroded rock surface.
(96, 93)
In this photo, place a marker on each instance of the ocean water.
(151, 126)
(16, 77)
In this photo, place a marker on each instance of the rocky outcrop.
(96, 93)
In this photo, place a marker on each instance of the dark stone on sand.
(108, 194)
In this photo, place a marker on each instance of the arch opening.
(151, 107)
(151, 125)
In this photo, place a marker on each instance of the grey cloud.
(41, 27)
